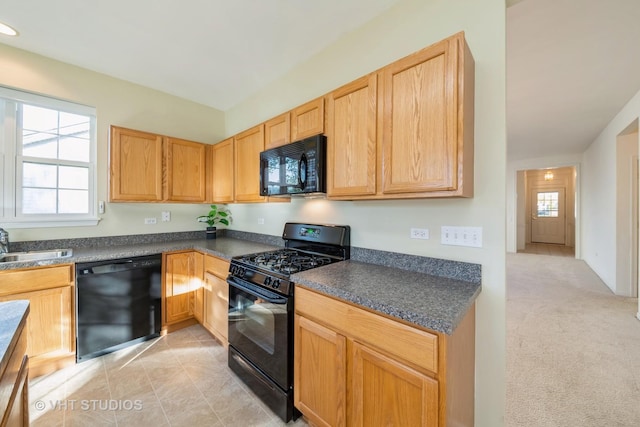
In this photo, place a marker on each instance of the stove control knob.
(267, 281)
(276, 284)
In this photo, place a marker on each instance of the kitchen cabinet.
(424, 128)
(220, 172)
(146, 167)
(216, 297)
(277, 131)
(248, 146)
(307, 119)
(135, 166)
(359, 368)
(352, 139)
(186, 165)
(50, 328)
(14, 401)
(183, 276)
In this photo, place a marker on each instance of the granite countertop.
(13, 315)
(222, 247)
(434, 302)
(427, 292)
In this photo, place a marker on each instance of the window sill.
(50, 224)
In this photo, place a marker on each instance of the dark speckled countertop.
(433, 302)
(12, 315)
(428, 292)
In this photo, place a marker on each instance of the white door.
(548, 215)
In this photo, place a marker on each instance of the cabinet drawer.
(32, 279)
(217, 266)
(402, 341)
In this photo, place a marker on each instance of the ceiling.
(571, 67)
(571, 64)
(214, 52)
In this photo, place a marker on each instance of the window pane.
(42, 145)
(548, 204)
(74, 125)
(74, 149)
(39, 119)
(74, 201)
(38, 201)
(74, 177)
(38, 175)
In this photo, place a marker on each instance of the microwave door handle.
(302, 173)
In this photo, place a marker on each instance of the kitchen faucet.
(4, 241)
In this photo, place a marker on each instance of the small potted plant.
(217, 215)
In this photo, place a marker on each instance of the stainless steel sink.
(35, 255)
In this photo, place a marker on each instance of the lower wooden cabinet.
(353, 367)
(182, 272)
(216, 297)
(50, 326)
(14, 401)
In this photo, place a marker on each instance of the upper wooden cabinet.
(423, 137)
(135, 166)
(186, 162)
(277, 131)
(351, 135)
(220, 172)
(140, 161)
(307, 119)
(248, 146)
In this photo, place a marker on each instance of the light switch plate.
(461, 236)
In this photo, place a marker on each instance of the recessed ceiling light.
(7, 30)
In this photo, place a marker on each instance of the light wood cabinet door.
(352, 138)
(277, 131)
(420, 128)
(307, 119)
(388, 393)
(14, 402)
(220, 172)
(182, 277)
(248, 146)
(198, 304)
(320, 373)
(50, 326)
(135, 164)
(216, 306)
(186, 165)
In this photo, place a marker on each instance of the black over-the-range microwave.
(294, 169)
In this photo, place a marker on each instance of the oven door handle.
(256, 291)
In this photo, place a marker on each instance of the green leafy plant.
(217, 215)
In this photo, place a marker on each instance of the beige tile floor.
(181, 379)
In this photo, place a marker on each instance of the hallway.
(573, 347)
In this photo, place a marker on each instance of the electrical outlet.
(148, 221)
(101, 206)
(166, 216)
(261, 221)
(420, 233)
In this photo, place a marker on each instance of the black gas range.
(261, 299)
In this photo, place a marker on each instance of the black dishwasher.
(118, 303)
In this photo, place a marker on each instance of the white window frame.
(11, 160)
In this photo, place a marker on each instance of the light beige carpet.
(573, 347)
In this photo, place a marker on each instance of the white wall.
(123, 104)
(407, 27)
(599, 196)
